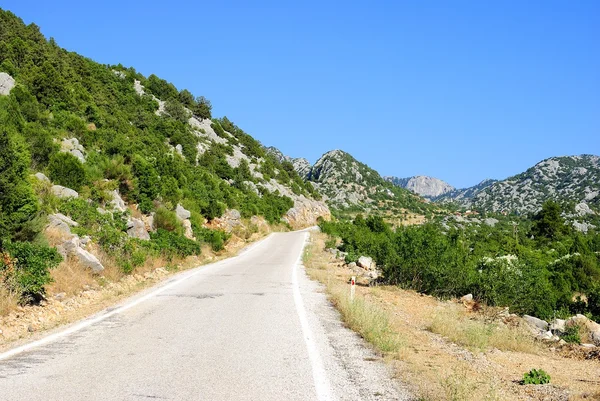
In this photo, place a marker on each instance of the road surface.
(253, 327)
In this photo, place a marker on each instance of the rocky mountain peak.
(428, 187)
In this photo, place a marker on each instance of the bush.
(572, 334)
(536, 376)
(27, 269)
(172, 244)
(167, 220)
(17, 201)
(67, 170)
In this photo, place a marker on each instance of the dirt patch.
(473, 359)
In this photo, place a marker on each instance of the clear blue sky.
(460, 90)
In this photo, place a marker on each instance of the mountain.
(566, 179)
(427, 187)
(135, 166)
(300, 164)
(464, 194)
(346, 183)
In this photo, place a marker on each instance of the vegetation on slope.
(539, 266)
(130, 140)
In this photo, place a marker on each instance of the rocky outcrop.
(428, 187)
(41, 177)
(184, 215)
(306, 212)
(60, 224)
(228, 221)
(117, 203)
(6, 84)
(137, 229)
(366, 263)
(73, 147)
(63, 192)
(568, 178)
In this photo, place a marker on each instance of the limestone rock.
(42, 177)
(187, 226)
(182, 213)
(466, 298)
(6, 84)
(117, 203)
(61, 224)
(558, 326)
(536, 323)
(583, 209)
(490, 222)
(366, 263)
(88, 260)
(230, 220)
(137, 229)
(149, 222)
(425, 186)
(72, 146)
(305, 212)
(63, 192)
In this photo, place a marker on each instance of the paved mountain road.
(253, 327)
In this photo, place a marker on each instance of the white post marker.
(352, 288)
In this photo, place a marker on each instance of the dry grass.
(479, 335)
(360, 315)
(9, 301)
(70, 277)
(445, 351)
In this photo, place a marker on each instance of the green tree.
(146, 182)
(67, 170)
(17, 201)
(548, 222)
(203, 108)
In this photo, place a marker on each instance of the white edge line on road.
(322, 385)
(102, 316)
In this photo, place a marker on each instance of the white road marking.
(322, 385)
(90, 321)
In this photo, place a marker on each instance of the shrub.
(17, 201)
(167, 220)
(536, 376)
(27, 269)
(172, 244)
(67, 170)
(572, 334)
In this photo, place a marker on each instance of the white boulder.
(366, 263)
(117, 203)
(63, 192)
(6, 84)
(137, 229)
(182, 213)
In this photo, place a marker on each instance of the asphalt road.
(253, 327)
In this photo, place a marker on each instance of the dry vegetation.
(446, 351)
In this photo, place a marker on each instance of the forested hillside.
(125, 163)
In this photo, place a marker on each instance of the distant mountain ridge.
(574, 179)
(346, 183)
(428, 187)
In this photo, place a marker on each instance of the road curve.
(253, 327)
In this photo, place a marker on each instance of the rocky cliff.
(427, 187)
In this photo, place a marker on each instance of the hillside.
(106, 165)
(349, 185)
(573, 180)
(465, 194)
(427, 187)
